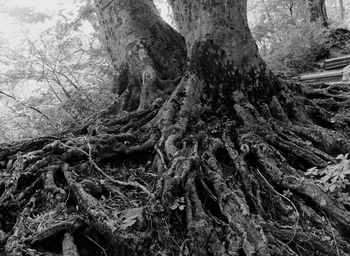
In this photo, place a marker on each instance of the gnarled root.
(180, 181)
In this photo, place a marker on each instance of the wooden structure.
(336, 63)
(322, 77)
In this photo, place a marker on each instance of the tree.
(341, 10)
(143, 48)
(318, 11)
(288, 41)
(215, 168)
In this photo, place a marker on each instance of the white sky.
(40, 5)
(10, 29)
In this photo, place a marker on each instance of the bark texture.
(144, 50)
(217, 169)
(318, 11)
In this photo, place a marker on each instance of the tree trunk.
(143, 48)
(341, 10)
(217, 169)
(318, 11)
(221, 48)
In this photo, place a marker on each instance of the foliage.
(67, 64)
(335, 178)
(179, 204)
(63, 72)
(298, 49)
(288, 41)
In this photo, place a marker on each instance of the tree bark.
(318, 11)
(221, 48)
(143, 48)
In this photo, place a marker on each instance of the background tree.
(289, 42)
(216, 166)
(341, 9)
(318, 11)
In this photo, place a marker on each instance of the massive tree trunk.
(318, 11)
(222, 51)
(217, 169)
(144, 50)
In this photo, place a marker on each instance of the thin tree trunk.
(341, 10)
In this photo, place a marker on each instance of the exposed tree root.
(176, 180)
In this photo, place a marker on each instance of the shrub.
(297, 49)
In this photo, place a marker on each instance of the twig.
(286, 198)
(68, 196)
(335, 241)
(26, 105)
(103, 249)
(179, 247)
(161, 156)
(120, 183)
(134, 184)
(182, 247)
